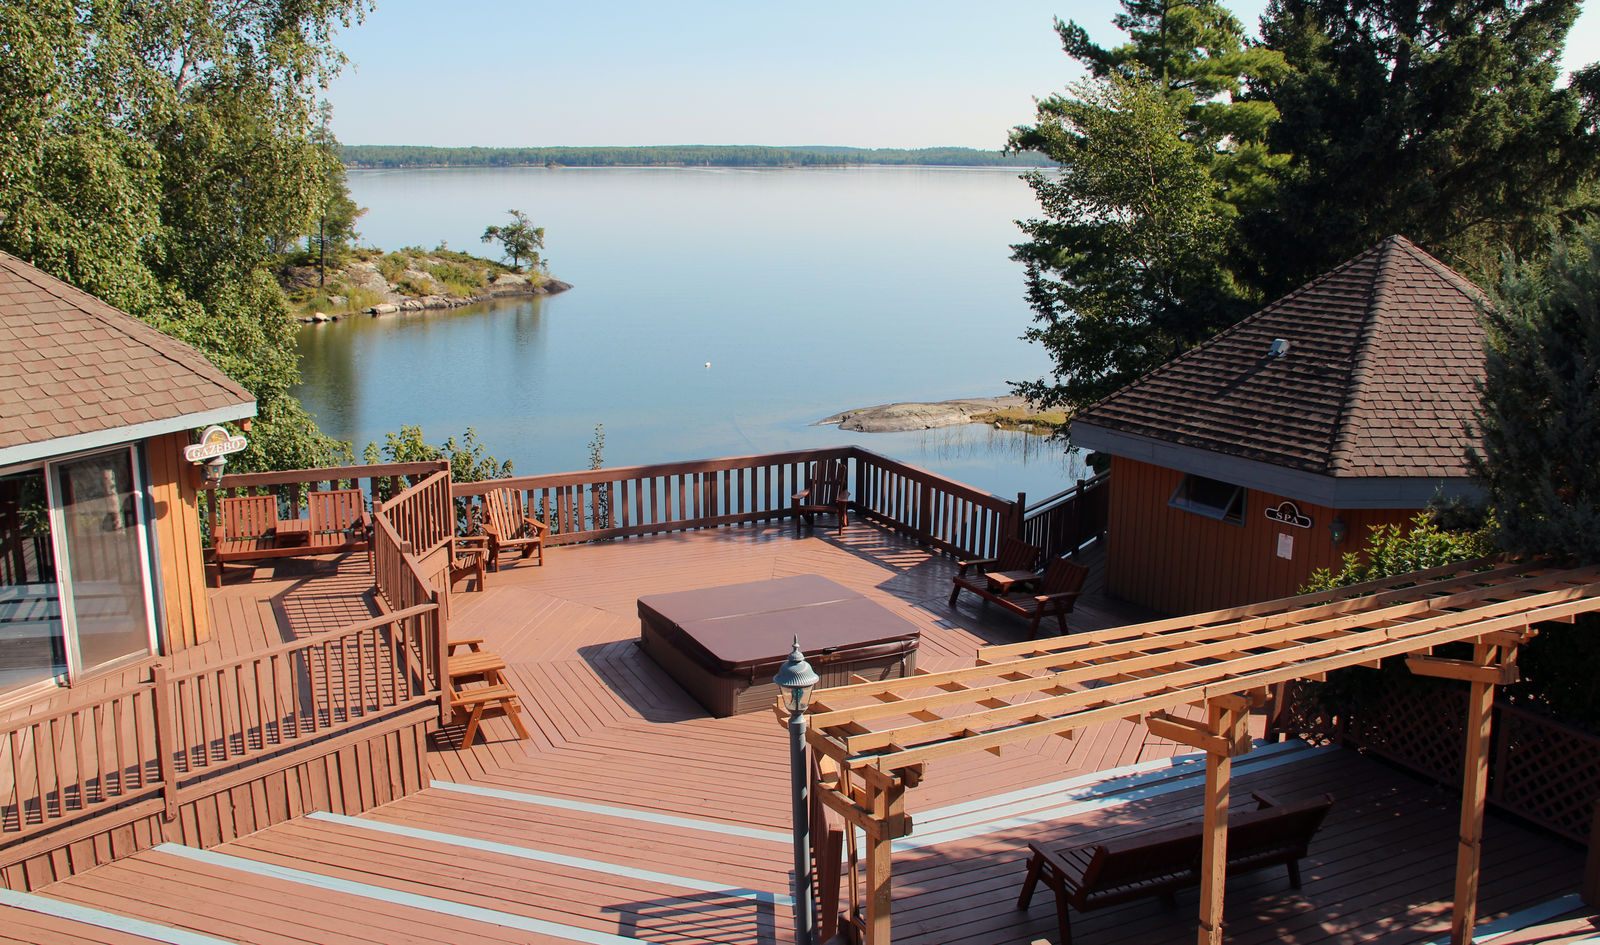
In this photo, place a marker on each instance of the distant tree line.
(383, 155)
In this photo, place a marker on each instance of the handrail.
(1069, 520)
(422, 515)
(624, 501)
(154, 740)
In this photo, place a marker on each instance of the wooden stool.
(480, 702)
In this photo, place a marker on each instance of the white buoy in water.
(708, 365)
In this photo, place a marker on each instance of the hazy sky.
(880, 73)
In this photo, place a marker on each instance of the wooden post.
(888, 807)
(166, 740)
(1474, 794)
(1226, 722)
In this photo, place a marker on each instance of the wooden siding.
(176, 525)
(1180, 562)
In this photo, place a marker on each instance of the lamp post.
(796, 679)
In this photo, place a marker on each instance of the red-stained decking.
(630, 813)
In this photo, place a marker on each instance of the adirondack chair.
(508, 526)
(824, 492)
(1058, 589)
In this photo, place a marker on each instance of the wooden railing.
(422, 515)
(290, 487)
(620, 502)
(940, 512)
(624, 501)
(171, 737)
(1067, 521)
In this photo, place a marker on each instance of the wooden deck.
(632, 815)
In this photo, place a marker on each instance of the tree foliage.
(158, 155)
(1435, 119)
(520, 239)
(1391, 550)
(1129, 263)
(1540, 410)
(468, 461)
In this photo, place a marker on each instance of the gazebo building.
(1244, 465)
(99, 536)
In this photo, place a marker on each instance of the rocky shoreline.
(394, 299)
(913, 415)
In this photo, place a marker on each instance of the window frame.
(1231, 512)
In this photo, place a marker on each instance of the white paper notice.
(1285, 545)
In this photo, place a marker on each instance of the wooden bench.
(1160, 862)
(1057, 590)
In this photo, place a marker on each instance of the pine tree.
(1130, 261)
(1435, 119)
(1540, 412)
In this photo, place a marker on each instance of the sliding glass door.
(102, 531)
(32, 638)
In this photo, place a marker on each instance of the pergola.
(873, 739)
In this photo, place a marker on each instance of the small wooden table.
(1001, 582)
(293, 532)
(475, 664)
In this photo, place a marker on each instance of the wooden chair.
(339, 520)
(824, 492)
(247, 528)
(467, 558)
(507, 527)
(1058, 589)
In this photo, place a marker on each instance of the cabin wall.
(176, 525)
(1180, 562)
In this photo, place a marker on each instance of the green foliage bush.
(458, 279)
(468, 461)
(414, 287)
(1391, 550)
(392, 265)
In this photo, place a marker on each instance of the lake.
(715, 312)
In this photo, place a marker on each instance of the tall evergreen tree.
(1130, 261)
(1436, 119)
(1540, 412)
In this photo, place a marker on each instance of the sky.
(863, 73)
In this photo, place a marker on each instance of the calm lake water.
(809, 291)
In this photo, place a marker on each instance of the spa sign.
(214, 442)
(1287, 513)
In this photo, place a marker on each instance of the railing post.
(1020, 513)
(441, 655)
(163, 708)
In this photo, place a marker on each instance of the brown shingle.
(72, 364)
(1385, 353)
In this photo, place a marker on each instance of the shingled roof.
(1384, 354)
(77, 374)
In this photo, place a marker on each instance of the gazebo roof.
(77, 374)
(1378, 380)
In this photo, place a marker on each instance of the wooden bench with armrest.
(1057, 590)
(1160, 862)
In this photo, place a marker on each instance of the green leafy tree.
(1540, 411)
(520, 239)
(1438, 120)
(1130, 262)
(1392, 549)
(468, 460)
(158, 155)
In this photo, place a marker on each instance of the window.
(1212, 498)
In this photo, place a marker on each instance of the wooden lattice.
(1421, 729)
(1546, 772)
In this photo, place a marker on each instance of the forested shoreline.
(384, 155)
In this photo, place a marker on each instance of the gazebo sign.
(1288, 513)
(214, 442)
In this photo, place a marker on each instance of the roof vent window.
(1279, 348)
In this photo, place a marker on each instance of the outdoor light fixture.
(213, 468)
(1337, 529)
(796, 679)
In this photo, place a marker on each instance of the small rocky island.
(411, 280)
(1009, 413)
